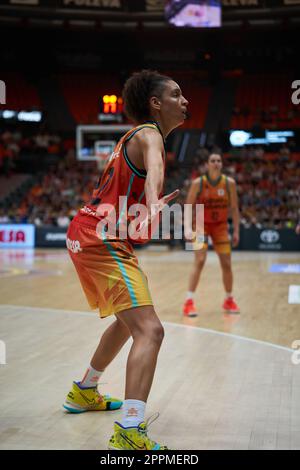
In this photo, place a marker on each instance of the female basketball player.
(218, 194)
(107, 266)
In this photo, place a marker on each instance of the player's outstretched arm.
(152, 149)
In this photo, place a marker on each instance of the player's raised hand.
(169, 197)
(156, 208)
(161, 203)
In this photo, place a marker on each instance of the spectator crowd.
(268, 183)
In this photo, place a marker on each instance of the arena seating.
(20, 93)
(264, 100)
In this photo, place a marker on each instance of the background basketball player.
(218, 194)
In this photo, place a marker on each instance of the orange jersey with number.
(122, 179)
(215, 196)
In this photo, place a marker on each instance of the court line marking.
(177, 325)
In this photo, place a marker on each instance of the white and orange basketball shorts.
(109, 271)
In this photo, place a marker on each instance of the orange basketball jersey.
(215, 196)
(120, 178)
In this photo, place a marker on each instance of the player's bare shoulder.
(145, 140)
(196, 182)
(147, 137)
(231, 181)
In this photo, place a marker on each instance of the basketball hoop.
(102, 158)
(103, 149)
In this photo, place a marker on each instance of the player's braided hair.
(137, 91)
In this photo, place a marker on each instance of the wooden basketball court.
(222, 382)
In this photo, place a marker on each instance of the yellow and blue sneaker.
(81, 399)
(134, 438)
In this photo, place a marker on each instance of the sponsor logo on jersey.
(73, 245)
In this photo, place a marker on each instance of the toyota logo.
(269, 236)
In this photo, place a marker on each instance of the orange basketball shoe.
(230, 305)
(189, 309)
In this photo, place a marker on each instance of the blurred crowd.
(56, 197)
(16, 142)
(267, 116)
(268, 183)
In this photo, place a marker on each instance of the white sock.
(189, 295)
(133, 413)
(228, 295)
(91, 377)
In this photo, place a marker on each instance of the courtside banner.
(51, 237)
(17, 236)
(269, 239)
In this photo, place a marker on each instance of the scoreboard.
(111, 109)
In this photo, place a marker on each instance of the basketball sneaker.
(134, 438)
(230, 305)
(81, 399)
(189, 309)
